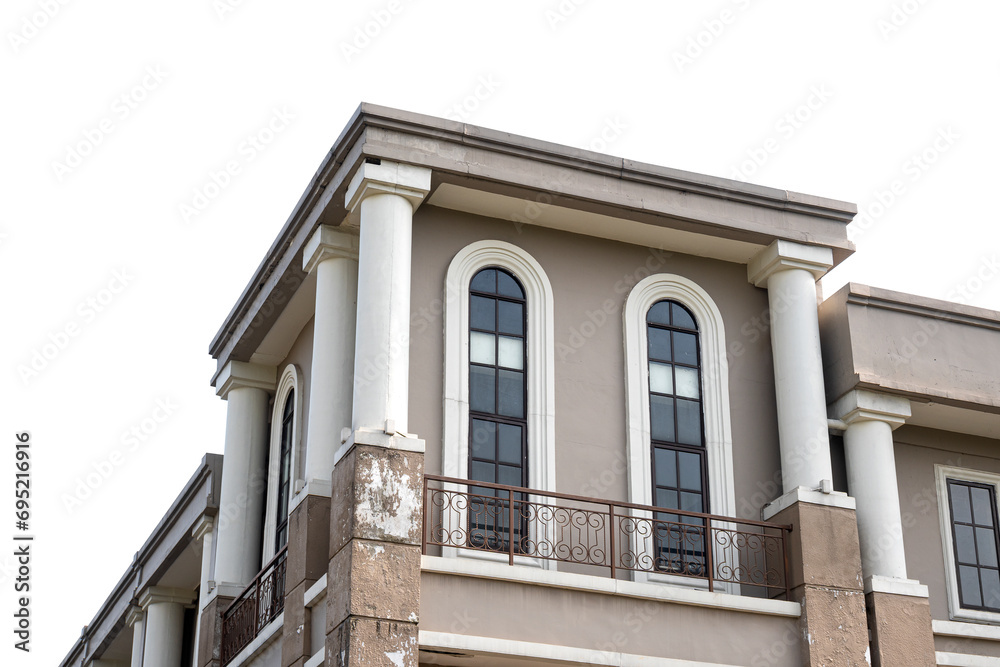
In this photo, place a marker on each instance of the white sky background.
(887, 93)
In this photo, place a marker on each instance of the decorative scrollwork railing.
(257, 606)
(748, 557)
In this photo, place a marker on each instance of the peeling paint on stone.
(389, 501)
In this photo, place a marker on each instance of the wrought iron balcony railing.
(745, 557)
(257, 606)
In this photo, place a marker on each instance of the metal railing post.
(612, 529)
(709, 559)
(510, 528)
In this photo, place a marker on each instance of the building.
(495, 401)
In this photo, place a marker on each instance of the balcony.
(619, 540)
(257, 606)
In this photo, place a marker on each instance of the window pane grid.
(497, 403)
(677, 437)
(284, 471)
(974, 535)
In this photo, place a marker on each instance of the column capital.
(240, 375)
(784, 255)
(203, 527)
(156, 594)
(860, 405)
(385, 177)
(134, 615)
(328, 242)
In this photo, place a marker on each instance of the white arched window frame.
(290, 380)
(715, 392)
(540, 342)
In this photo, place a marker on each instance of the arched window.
(680, 447)
(499, 388)
(284, 461)
(677, 438)
(498, 425)
(284, 472)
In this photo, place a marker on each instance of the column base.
(308, 559)
(405, 442)
(801, 494)
(899, 622)
(824, 575)
(210, 639)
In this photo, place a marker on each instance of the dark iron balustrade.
(257, 606)
(748, 557)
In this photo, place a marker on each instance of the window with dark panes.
(974, 533)
(497, 399)
(677, 437)
(284, 472)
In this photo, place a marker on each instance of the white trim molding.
(715, 390)
(547, 652)
(966, 630)
(589, 583)
(290, 380)
(941, 474)
(540, 335)
(964, 660)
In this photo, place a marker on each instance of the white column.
(136, 618)
(244, 474)
(871, 477)
(386, 195)
(333, 256)
(164, 608)
(789, 272)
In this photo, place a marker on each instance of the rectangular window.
(973, 509)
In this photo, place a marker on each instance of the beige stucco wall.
(917, 451)
(601, 622)
(585, 272)
(910, 345)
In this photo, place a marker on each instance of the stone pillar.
(789, 272)
(825, 576)
(164, 610)
(202, 532)
(244, 474)
(373, 591)
(136, 618)
(898, 608)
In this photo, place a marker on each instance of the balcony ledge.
(470, 567)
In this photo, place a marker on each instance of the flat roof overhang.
(526, 181)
